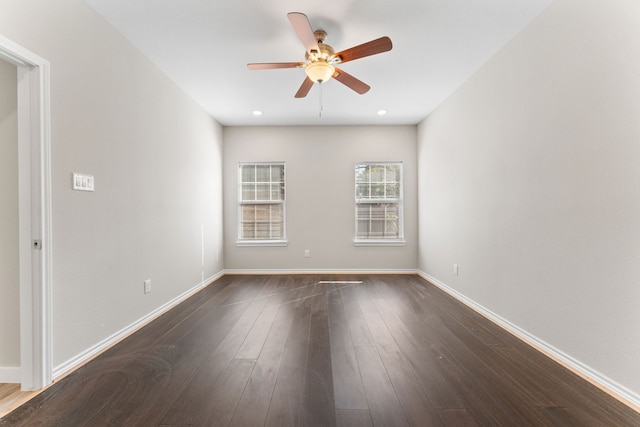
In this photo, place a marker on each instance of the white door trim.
(34, 193)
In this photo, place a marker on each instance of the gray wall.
(320, 195)
(156, 157)
(529, 180)
(9, 267)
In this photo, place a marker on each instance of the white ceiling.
(204, 46)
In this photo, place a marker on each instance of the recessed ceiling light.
(382, 112)
(257, 113)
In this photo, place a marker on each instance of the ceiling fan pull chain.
(320, 112)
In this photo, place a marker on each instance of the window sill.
(268, 243)
(378, 242)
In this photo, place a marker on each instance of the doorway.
(34, 213)
(9, 259)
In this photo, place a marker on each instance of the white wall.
(156, 158)
(320, 195)
(9, 267)
(529, 180)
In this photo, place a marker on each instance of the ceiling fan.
(321, 59)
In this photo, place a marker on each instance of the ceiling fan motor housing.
(325, 52)
(319, 66)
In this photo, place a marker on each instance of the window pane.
(263, 213)
(277, 213)
(377, 229)
(248, 173)
(362, 191)
(391, 228)
(262, 231)
(248, 230)
(392, 191)
(263, 191)
(276, 231)
(248, 212)
(363, 229)
(263, 173)
(377, 173)
(277, 192)
(248, 192)
(362, 173)
(277, 173)
(377, 212)
(377, 191)
(391, 211)
(393, 173)
(276, 221)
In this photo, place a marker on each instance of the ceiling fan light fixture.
(319, 71)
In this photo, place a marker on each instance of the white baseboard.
(241, 271)
(10, 375)
(84, 357)
(604, 383)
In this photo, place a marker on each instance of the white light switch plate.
(83, 182)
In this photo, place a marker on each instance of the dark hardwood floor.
(392, 350)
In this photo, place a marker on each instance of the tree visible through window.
(379, 201)
(261, 196)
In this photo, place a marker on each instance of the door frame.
(34, 213)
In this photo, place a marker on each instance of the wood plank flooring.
(11, 397)
(363, 350)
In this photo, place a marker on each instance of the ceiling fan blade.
(272, 65)
(351, 82)
(307, 84)
(373, 47)
(301, 25)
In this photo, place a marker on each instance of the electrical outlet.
(307, 253)
(455, 269)
(147, 286)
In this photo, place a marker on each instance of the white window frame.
(391, 241)
(280, 241)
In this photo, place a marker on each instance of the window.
(261, 194)
(379, 204)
